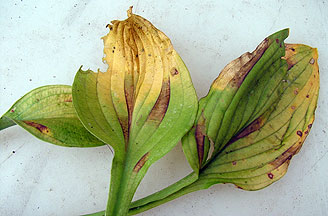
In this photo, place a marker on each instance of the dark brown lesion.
(270, 175)
(129, 98)
(141, 162)
(254, 126)
(42, 128)
(158, 111)
(287, 155)
(200, 138)
(254, 58)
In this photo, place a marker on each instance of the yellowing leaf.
(142, 105)
(48, 113)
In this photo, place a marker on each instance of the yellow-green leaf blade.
(245, 88)
(260, 154)
(48, 113)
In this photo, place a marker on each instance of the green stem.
(6, 122)
(141, 205)
(124, 183)
(115, 179)
(199, 184)
(166, 191)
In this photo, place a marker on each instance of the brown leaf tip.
(129, 11)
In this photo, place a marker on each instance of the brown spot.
(277, 40)
(141, 162)
(312, 61)
(307, 96)
(254, 126)
(310, 126)
(239, 187)
(299, 133)
(290, 51)
(306, 132)
(174, 71)
(270, 175)
(296, 91)
(234, 163)
(293, 107)
(158, 111)
(12, 110)
(42, 128)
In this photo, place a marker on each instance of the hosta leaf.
(260, 153)
(245, 88)
(142, 105)
(48, 113)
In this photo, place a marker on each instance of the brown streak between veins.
(39, 127)
(141, 162)
(254, 126)
(159, 110)
(246, 68)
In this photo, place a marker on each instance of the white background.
(45, 42)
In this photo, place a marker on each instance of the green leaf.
(142, 105)
(48, 113)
